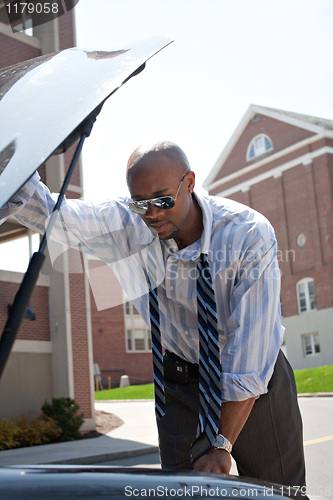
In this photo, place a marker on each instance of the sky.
(225, 56)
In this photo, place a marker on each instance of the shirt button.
(186, 332)
(172, 287)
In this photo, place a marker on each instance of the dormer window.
(259, 145)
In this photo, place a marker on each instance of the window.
(310, 344)
(25, 26)
(130, 309)
(19, 16)
(306, 295)
(259, 145)
(138, 340)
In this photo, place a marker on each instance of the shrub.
(59, 422)
(64, 412)
(39, 430)
(9, 434)
(21, 432)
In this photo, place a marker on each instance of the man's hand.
(218, 461)
(233, 416)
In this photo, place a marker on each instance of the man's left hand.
(217, 461)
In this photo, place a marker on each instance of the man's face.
(153, 180)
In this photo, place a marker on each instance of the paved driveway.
(317, 413)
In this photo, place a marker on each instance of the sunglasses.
(163, 202)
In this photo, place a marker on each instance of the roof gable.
(283, 128)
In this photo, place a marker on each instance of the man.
(260, 419)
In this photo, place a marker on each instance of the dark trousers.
(270, 445)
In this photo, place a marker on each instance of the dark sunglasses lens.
(138, 207)
(165, 202)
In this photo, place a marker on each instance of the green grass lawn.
(132, 392)
(315, 379)
(310, 380)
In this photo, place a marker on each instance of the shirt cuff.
(26, 192)
(239, 387)
(12, 207)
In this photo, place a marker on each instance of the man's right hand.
(217, 461)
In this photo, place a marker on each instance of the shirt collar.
(207, 224)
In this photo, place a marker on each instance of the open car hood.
(44, 100)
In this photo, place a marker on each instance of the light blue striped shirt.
(242, 252)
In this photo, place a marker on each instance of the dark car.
(75, 482)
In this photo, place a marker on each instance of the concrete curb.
(105, 457)
(315, 395)
(92, 452)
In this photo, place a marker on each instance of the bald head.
(160, 177)
(149, 157)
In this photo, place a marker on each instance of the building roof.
(311, 120)
(311, 123)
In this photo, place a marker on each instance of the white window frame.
(310, 299)
(314, 344)
(257, 149)
(130, 341)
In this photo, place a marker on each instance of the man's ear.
(191, 181)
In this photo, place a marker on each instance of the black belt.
(177, 369)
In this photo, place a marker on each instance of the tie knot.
(204, 258)
(204, 268)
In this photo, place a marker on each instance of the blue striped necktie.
(209, 355)
(156, 337)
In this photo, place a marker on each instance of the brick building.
(52, 356)
(281, 164)
(121, 339)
